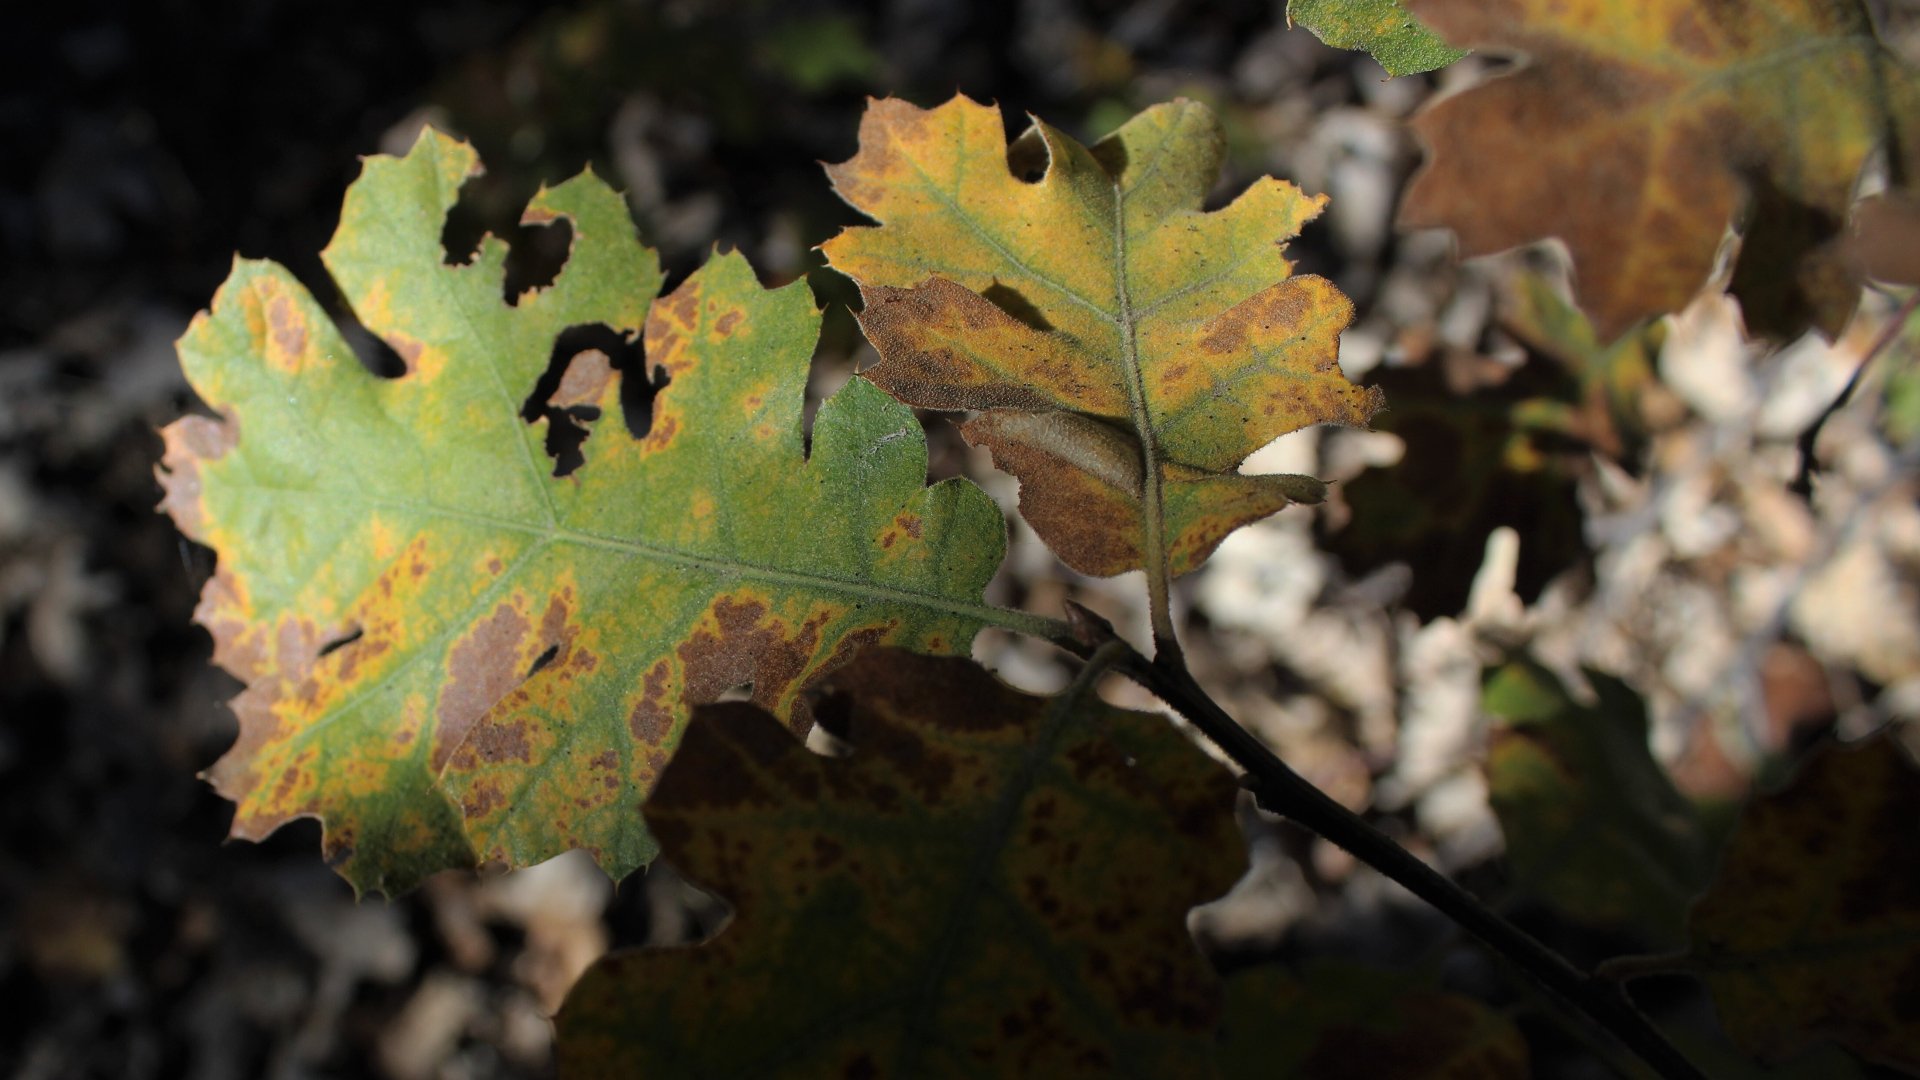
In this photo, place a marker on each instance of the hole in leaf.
(465, 226)
(541, 661)
(566, 433)
(535, 253)
(567, 423)
(1027, 157)
(339, 643)
(535, 256)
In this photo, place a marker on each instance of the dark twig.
(1282, 791)
(1802, 484)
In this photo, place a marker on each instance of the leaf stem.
(1802, 484)
(1282, 791)
(1109, 656)
(1030, 624)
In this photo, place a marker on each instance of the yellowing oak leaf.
(991, 884)
(1127, 349)
(1636, 131)
(453, 654)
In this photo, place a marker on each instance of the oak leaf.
(453, 654)
(1593, 824)
(990, 884)
(1636, 132)
(1621, 399)
(1126, 348)
(1384, 29)
(1811, 929)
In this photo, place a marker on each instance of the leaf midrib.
(992, 615)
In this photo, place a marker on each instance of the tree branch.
(1802, 484)
(1282, 791)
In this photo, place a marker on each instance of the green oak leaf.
(1593, 824)
(1384, 29)
(452, 654)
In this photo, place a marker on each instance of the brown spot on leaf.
(289, 329)
(190, 442)
(357, 653)
(665, 426)
(651, 721)
(1076, 489)
(238, 646)
(682, 305)
(482, 798)
(482, 667)
(736, 643)
(500, 741)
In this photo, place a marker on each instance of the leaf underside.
(1383, 29)
(991, 884)
(453, 655)
(1636, 131)
(1101, 322)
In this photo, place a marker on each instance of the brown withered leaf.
(1127, 349)
(1636, 130)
